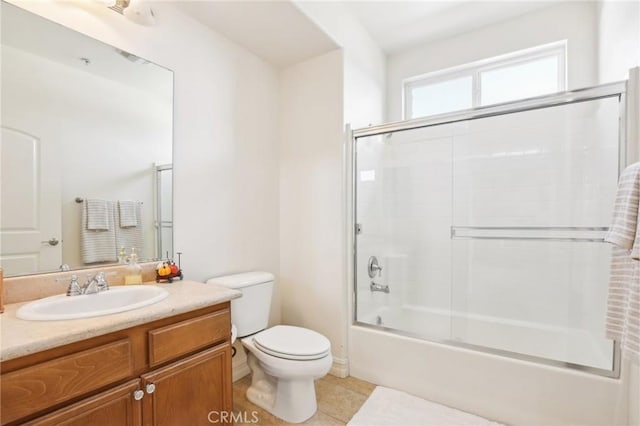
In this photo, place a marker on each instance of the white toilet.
(284, 360)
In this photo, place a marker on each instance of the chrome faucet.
(379, 287)
(102, 283)
(91, 286)
(95, 284)
(74, 288)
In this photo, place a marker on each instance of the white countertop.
(21, 337)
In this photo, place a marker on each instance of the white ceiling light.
(140, 12)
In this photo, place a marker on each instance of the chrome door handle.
(137, 395)
(52, 242)
(150, 388)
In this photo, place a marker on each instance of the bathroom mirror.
(81, 120)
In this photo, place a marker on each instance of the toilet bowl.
(284, 360)
(283, 375)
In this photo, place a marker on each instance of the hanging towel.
(98, 245)
(128, 213)
(98, 215)
(623, 302)
(131, 236)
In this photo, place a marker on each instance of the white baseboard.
(240, 371)
(239, 366)
(340, 367)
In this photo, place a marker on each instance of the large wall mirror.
(86, 150)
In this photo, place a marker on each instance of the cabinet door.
(194, 391)
(115, 407)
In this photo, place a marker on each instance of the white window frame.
(475, 69)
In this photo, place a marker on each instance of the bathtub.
(498, 387)
(533, 341)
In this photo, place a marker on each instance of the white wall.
(99, 127)
(364, 61)
(573, 21)
(225, 135)
(618, 39)
(348, 87)
(310, 197)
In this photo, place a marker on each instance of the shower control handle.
(373, 267)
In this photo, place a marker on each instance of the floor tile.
(351, 383)
(338, 400)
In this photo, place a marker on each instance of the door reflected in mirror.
(86, 149)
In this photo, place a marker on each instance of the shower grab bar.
(467, 235)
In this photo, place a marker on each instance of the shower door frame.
(617, 89)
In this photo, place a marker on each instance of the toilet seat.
(294, 343)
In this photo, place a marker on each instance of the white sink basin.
(114, 300)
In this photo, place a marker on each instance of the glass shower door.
(532, 196)
(488, 232)
(403, 211)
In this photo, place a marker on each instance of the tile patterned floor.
(338, 400)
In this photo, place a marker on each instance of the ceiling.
(397, 24)
(274, 30)
(279, 32)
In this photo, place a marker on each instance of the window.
(519, 75)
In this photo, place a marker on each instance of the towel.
(128, 213)
(623, 301)
(98, 215)
(98, 245)
(131, 236)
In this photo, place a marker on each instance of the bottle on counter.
(133, 274)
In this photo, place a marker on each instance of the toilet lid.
(285, 341)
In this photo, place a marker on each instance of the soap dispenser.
(133, 275)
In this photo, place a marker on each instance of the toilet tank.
(249, 313)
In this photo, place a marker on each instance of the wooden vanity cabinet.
(173, 371)
(115, 407)
(178, 389)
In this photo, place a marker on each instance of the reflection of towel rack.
(79, 200)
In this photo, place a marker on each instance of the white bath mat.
(391, 407)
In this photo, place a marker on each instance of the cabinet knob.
(137, 395)
(150, 388)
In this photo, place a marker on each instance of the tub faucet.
(379, 287)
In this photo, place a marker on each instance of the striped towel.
(128, 213)
(98, 245)
(98, 215)
(623, 303)
(131, 236)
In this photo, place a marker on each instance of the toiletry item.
(133, 274)
(122, 256)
